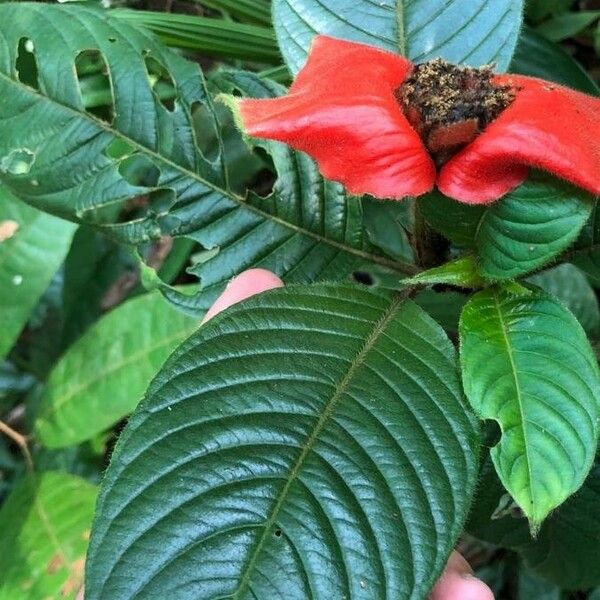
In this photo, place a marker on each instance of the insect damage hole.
(26, 64)
(363, 278)
(95, 85)
(161, 82)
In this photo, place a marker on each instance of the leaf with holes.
(312, 442)
(527, 364)
(62, 158)
(45, 524)
(523, 231)
(32, 247)
(103, 375)
(476, 32)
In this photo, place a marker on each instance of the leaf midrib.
(404, 268)
(509, 351)
(357, 362)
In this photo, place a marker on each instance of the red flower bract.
(342, 111)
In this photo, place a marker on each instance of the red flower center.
(449, 106)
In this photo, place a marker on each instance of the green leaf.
(567, 25)
(475, 32)
(571, 287)
(444, 307)
(215, 37)
(565, 551)
(45, 525)
(253, 10)
(79, 164)
(586, 254)
(523, 231)
(93, 266)
(594, 594)
(32, 247)
(462, 272)
(532, 586)
(540, 9)
(310, 443)
(103, 375)
(538, 57)
(389, 226)
(527, 364)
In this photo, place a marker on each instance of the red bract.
(342, 111)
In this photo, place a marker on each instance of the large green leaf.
(72, 162)
(103, 375)
(523, 231)
(32, 247)
(527, 364)
(45, 525)
(476, 32)
(571, 287)
(311, 443)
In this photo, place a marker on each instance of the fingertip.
(458, 582)
(246, 284)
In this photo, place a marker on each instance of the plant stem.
(20, 440)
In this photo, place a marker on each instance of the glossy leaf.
(312, 442)
(32, 247)
(45, 525)
(518, 234)
(475, 33)
(570, 286)
(78, 164)
(103, 375)
(527, 364)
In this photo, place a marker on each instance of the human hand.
(457, 581)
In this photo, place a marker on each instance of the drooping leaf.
(527, 364)
(75, 162)
(538, 57)
(475, 33)
(519, 233)
(571, 287)
(103, 375)
(45, 525)
(312, 442)
(32, 247)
